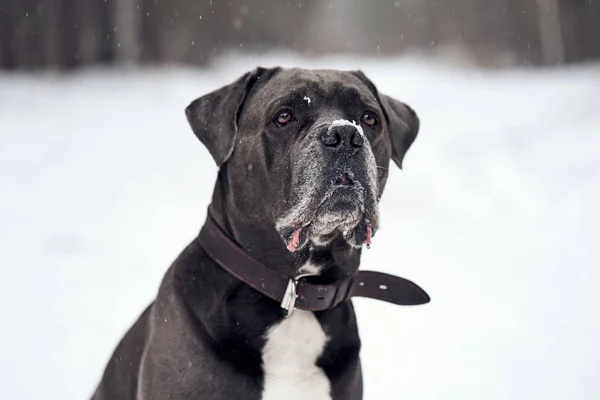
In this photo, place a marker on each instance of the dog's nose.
(343, 137)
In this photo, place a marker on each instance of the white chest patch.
(289, 360)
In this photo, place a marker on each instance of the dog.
(303, 160)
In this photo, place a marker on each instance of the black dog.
(303, 159)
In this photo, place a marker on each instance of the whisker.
(381, 167)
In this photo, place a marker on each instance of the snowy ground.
(496, 214)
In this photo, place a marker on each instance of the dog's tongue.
(294, 241)
(363, 233)
(369, 234)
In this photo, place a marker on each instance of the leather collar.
(293, 292)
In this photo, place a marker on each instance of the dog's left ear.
(214, 116)
(403, 122)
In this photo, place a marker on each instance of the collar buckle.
(288, 303)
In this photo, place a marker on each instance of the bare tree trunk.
(88, 43)
(51, 38)
(175, 40)
(106, 31)
(24, 29)
(97, 33)
(71, 32)
(525, 35)
(127, 14)
(6, 36)
(581, 30)
(150, 34)
(553, 52)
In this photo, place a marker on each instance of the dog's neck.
(335, 261)
(236, 319)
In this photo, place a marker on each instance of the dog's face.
(309, 150)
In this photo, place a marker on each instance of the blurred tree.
(69, 33)
(580, 21)
(127, 15)
(7, 21)
(150, 34)
(550, 32)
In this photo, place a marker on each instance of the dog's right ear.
(403, 123)
(214, 116)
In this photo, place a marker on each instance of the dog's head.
(307, 149)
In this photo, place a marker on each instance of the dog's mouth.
(344, 180)
(342, 190)
(298, 237)
(341, 209)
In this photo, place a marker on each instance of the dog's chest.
(290, 360)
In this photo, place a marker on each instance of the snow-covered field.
(496, 215)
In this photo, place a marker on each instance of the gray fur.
(310, 193)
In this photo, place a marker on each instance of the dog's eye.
(369, 119)
(283, 118)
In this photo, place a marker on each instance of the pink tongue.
(294, 241)
(368, 241)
